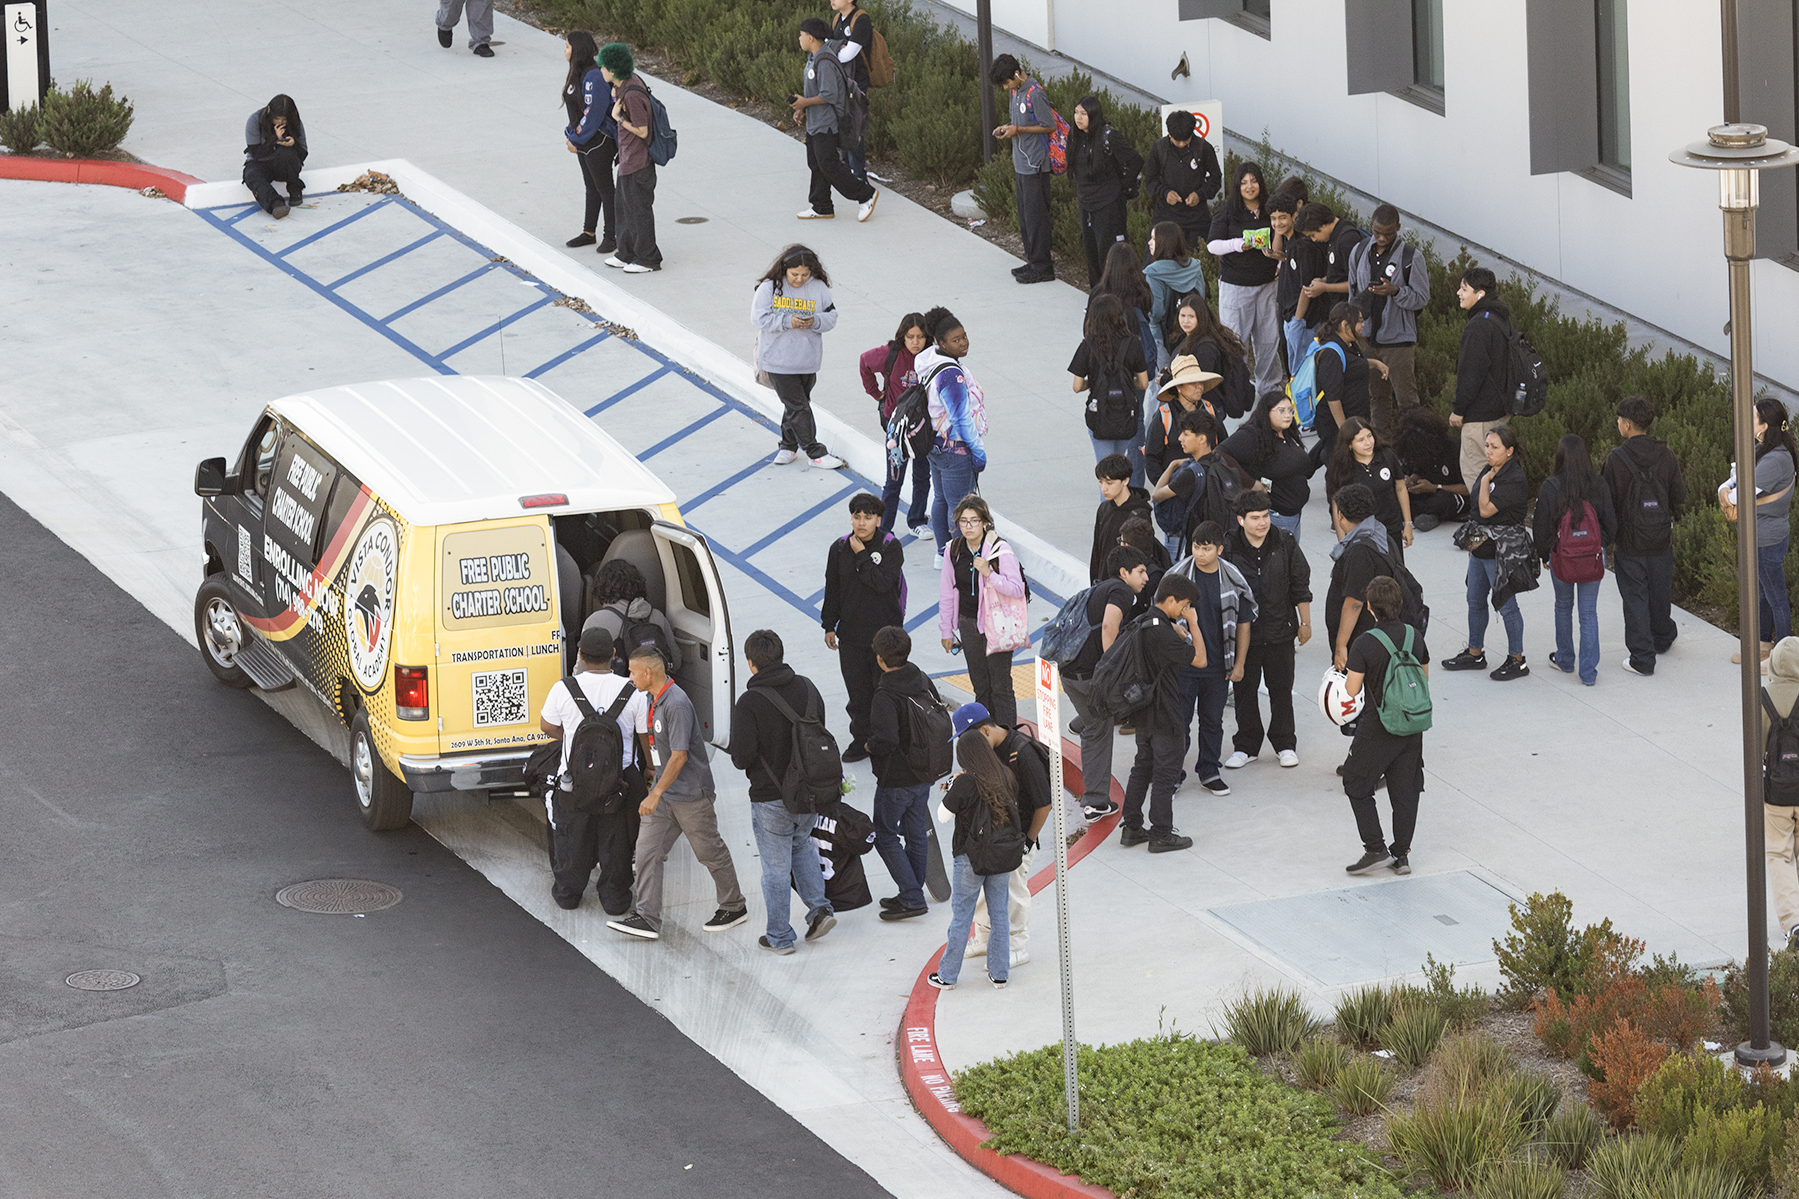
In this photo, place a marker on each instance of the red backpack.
(1579, 554)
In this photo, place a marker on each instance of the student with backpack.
(1773, 498)
(1501, 496)
(1032, 124)
(1362, 553)
(1216, 349)
(1780, 782)
(1301, 261)
(1028, 760)
(792, 310)
(1222, 618)
(1268, 446)
(592, 137)
(1109, 366)
(633, 110)
(988, 844)
(618, 604)
(593, 809)
(909, 745)
(1483, 392)
(981, 606)
(887, 371)
(830, 110)
(856, 38)
(1339, 378)
(1390, 281)
(1119, 502)
(1159, 645)
(865, 591)
(1106, 607)
(1172, 273)
(763, 742)
(958, 414)
(1647, 493)
(1280, 581)
(1574, 522)
(1392, 662)
(1106, 169)
(1362, 457)
(1180, 494)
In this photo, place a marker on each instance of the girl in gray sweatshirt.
(792, 311)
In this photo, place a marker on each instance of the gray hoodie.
(824, 78)
(610, 619)
(780, 348)
(1168, 282)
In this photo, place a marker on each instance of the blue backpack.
(1304, 388)
(1171, 514)
(662, 133)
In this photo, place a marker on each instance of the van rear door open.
(696, 609)
(499, 643)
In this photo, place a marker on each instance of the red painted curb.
(174, 184)
(928, 1081)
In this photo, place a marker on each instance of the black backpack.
(994, 846)
(926, 732)
(1225, 481)
(1646, 511)
(596, 782)
(634, 633)
(1526, 374)
(1415, 612)
(1114, 405)
(1124, 683)
(909, 428)
(1237, 394)
(813, 780)
(1039, 755)
(1780, 761)
(1125, 157)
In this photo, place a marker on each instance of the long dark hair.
(1096, 122)
(1171, 243)
(1209, 328)
(794, 255)
(1343, 454)
(1233, 202)
(282, 105)
(1507, 438)
(1106, 327)
(993, 782)
(1423, 431)
(584, 56)
(1123, 277)
(909, 322)
(1573, 473)
(1779, 435)
(1342, 311)
(1268, 438)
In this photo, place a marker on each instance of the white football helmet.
(1339, 707)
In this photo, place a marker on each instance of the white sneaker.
(637, 268)
(1020, 957)
(1238, 760)
(828, 462)
(867, 207)
(615, 260)
(976, 949)
(1289, 758)
(937, 559)
(786, 457)
(806, 214)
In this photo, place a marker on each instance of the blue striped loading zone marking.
(360, 271)
(632, 390)
(328, 230)
(248, 210)
(676, 438)
(470, 340)
(563, 357)
(803, 518)
(445, 290)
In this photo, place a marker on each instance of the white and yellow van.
(414, 553)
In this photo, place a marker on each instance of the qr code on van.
(501, 697)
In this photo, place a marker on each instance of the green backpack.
(1405, 695)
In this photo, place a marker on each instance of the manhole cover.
(691, 220)
(338, 896)
(102, 980)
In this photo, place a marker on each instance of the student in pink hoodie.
(981, 601)
(887, 370)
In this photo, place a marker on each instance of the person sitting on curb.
(274, 152)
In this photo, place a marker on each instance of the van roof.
(450, 449)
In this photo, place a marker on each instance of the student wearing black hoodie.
(865, 591)
(274, 152)
(1105, 169)
(1281, 580)
(1118, 503)
(1182, 175)
(902, 814)
(1482, 368)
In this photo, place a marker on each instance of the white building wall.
(1657, 253)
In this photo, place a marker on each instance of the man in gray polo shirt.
(681, 800)
(1032, 121)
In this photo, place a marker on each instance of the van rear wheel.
(220, 632)
(385, 799)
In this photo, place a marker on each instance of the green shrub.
(1362, 1085)
(1471, 1061)
(81, 123)
(1701, 1182)
(19, 129)
(1668, 971)
(1670, 1100)
(1363, 1014)
(1631, 1167)
(1522, 1178)
(1535, 1097)
(1172, 1117)
(1746, 1141)
(1318, 1061)
(1414, 1034)
(1265, 1022)
(1455, 1139)
(1783, 997)
(1462, 1007)
(1542, 952)
(1572, 1134)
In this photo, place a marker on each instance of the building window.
(1255, 17)
(1427, 44)
(1613, 40)
(1252, 15)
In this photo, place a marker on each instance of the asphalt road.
(448, 1046)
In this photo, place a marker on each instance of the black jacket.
(888, 737)
(1546, 522)
(1171, 168)
(1653, 458)
(1107, 522)
(762, 738)
(1032, 775)
(1483, 365)
(863, 591)
(1099, 165)
(1281, 582)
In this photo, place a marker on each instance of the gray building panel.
(1561, 41)
(1378, 39)
(1766, 68)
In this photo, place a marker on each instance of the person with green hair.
(637, 251)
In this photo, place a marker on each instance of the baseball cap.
(966, 717)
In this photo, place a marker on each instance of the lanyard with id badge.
(655, 748)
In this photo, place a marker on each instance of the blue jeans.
(1204, 691)
(789, 860)
(964, 890)
(1771, 578)
(1481, 574)
(916, 512)
(904, 813)
(1296, 333)
(952, 478)
(1588, 595)
(1289, 523)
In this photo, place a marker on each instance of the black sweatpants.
(1031, 194)
(1271, 660)
(830, 171)
(1446, 506)
(1646, 585)
(597, 157)
(860, 672)
(636, 200)
(1155, 772)
(579, 841)
(799, 429)
(1376, 752)
(281, 166)
(1100, 227)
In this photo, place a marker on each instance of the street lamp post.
(1738, 152)
(983, 41)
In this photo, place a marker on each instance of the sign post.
(1049, 731)
(25, 67)
(1208, 122)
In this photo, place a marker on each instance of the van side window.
(298, 492)
(343, 495)
(694, 596)
(257, 467)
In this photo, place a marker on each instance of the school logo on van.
(368, 616)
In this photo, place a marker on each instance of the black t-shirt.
(1250, 268)
(1344, 380)
(1209, 615)
(1129, 351)
(1302, 260)
(860, 30)
(1369, 658)
(1344, 238)
(1032, 775)
(1509, 492)
(1288, 469)
(1350, 576)
(1440, 464)
(1107, 593)
(968, 604)
(1165, 650)
(1381, 476)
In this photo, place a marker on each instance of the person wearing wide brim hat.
(1185, 377)
(1189, 384)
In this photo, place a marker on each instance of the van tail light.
(412, 693)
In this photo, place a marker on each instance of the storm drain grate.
(102, 980)
(338, 896)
